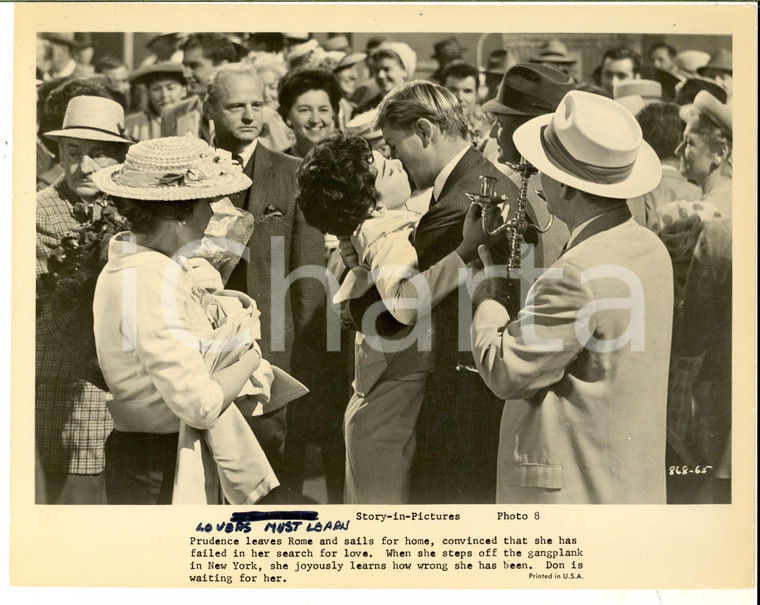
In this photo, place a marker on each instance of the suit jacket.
(186, 116)
(282, 242)
(457, 425)
(585, 418)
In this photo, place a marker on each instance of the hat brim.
(496, 108)
(87, 134)
(105, 180)
(645, 176)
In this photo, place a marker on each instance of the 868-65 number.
(685, 470)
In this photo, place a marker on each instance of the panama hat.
(720, 61)
(94, 119)
(529, 89)
(689, 61)
(173, 169)
(166, 68)
(593, 144)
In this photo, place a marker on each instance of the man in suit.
(584, 365)
(424, 126)
(202, 53)
(281, 243)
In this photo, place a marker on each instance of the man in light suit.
(424, 126)
(291, 328)
(584, 365)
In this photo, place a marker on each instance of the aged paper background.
(626, 546)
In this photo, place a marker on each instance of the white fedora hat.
(173, 169)
(593, 144)
(94, 119)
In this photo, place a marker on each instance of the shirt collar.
(577, 231)
(247, 153)
(444, 174)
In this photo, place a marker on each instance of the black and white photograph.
(362, 268)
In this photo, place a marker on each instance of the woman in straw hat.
(705, 151)
(153, 322)
(71, 419)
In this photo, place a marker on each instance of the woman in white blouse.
(151, 330)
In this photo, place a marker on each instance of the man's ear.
(207, 110)
(423, 128)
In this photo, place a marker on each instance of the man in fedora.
(71, 419)
(63, 48)
(446, 52)
(289, 327)
(553, 53)
(584, 365)
(721, 69)
(202, 54)
(526, 91)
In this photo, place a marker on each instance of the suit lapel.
(261, 176)
(603, 222)
(468, 161)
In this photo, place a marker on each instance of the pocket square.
(273, 211)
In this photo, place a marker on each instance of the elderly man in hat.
(583, 366)
(71, 419)
(529, 90)
(166, 85)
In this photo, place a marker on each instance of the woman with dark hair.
(350, 190)
(309, 103)
(157, 326)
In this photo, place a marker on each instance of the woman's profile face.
(312, 118)
(697, 159)
(391, 182)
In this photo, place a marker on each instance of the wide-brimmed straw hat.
(529, 89)
(593, 144)
(93, 119)
(173, 169)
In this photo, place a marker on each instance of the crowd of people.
(253, 244)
